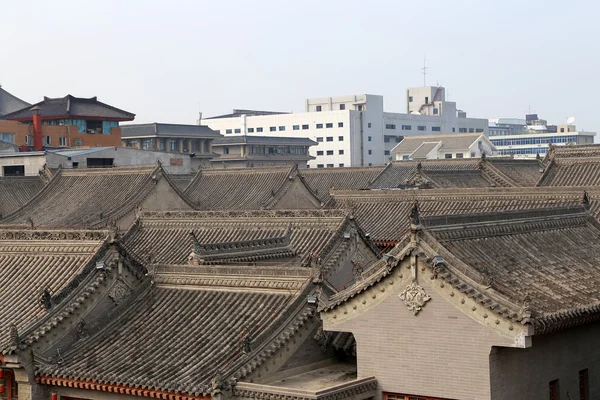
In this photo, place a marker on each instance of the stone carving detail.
(415, 219)
(322, 338)
(414, 297)
(46, 299)
(525, 310)
(357, 268)
(119, 292)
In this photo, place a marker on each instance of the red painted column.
(37, 130)
(54, 396)
(1, 381)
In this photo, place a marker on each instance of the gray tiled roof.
(76, 107)
(167, 130)
(240, 112)
(451, 141)
(10, 103)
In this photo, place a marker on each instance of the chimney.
(199, 118)
(37, 129)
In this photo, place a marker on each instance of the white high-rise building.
(354, 130)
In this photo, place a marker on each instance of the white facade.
(353, 130)
(22, 164)
(443, 147)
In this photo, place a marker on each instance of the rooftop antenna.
(424, 71)
(571, 120)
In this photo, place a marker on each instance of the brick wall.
(526, 373)
(440, 352)
(55, 132)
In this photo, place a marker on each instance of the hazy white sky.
(166, 60)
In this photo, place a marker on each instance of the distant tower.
(424, 69)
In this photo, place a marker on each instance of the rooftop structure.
(10, 103)
(261, 151)
(353, 131)
(434, 147)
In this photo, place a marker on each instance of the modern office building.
(526, 138)
(354, 130)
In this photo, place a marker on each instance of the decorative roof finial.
(415, 219)
(586, 200)
(419, 166)
(14, 335)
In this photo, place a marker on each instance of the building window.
(341, 165)
(318, 108)
(462, 130)
(62, 141)
(369, 138)
(406, 127)
(459, 155)
(340, 138)
(410, 99)
(259, 129)
(272, 129)
(435, 111)
(228, 131)
(329, 165)
(225, 150)
(282, 128)
(319, 126)
(421, 127)
(386, 139)
(341, 152)
(479, 130)
(340, 124)
(404, 157)
(28, 140)
(250, 130)
(370, 152)
(329, 125)
(319, 139)
(78, 142)
(47, 140)
(330, 138)
(436, 128)
(390, 126)
(471, 130)
(387, 152)
(370, 164)
(584, 385)
(342, 106)
(329, 152)
(238, 130)
(320, 166)
(320, 152)
(7, 137)
(369, 125)
(553, 386)
(448, 155)
(296, 127)
(304, 126)
(399, 139)
(453, 129)
(173, 145)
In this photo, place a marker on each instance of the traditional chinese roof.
(89, 197)
(380, 212)
(510, 263)
(10, 103)
(72, 107)
(146, 349)
(325, 179)
(237, 189)
(34, 260)
(164, 237)
(572, 166)
(16, 191)
(520, 172)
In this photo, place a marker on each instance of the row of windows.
(398, 139)
(85, 126)
(329, 152)
(527, 150)
(283, 128)
(320, 108)
(7, 137)
(584, 387)
(328, 165)
(535, 140)
(330, 139)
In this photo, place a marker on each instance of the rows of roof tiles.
(17, 191)
(31, 262)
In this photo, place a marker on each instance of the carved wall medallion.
(414, 297)
(119, 292)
